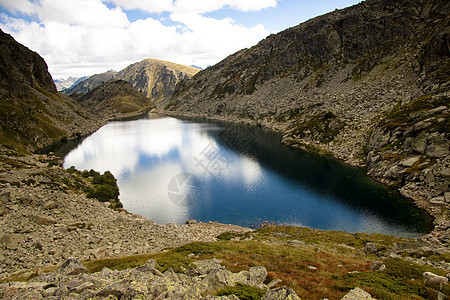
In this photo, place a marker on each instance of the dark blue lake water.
(170, 170)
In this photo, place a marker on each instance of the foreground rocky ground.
(46, 218)
(205, 277)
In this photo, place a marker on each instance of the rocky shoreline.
(436, 207)
(45, 220)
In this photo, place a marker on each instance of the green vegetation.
(325, 126)
(288, 253)
(243, 292)
(102, 187)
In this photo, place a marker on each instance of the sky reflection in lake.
(170, 170)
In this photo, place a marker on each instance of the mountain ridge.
(154, 77)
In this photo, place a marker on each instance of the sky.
(86, 37)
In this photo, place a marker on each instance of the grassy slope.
(288, 253)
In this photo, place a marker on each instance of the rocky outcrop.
(113, 97)
(156, 79)
(145, 282)
(367, 84)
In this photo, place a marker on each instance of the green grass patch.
(243, 292)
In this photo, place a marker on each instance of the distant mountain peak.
(154, 77)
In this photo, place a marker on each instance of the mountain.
(90, 83)
(368, 84)
(32, 113)
(155, 78)
(115, 96)
(62, 84)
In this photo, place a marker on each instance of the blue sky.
(84, 37)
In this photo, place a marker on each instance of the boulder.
(218, 279)
(410, 161)
(207, 265)
(11, 240)
(281, 293)
(72, 266)
(50, 204)
(257, 276)
(420, 143)
(357, 294)
(43, 220)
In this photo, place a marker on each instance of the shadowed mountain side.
(32, 113)
(115, 96)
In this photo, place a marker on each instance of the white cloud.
(89, 13)
(23, 6)
(83, 37)
(197, 6)
(152, 6)
(203, 6)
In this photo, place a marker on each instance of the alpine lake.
(171, 170)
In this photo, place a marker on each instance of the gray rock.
(257, 276)
(281, 293)
(410, 161)
(420, 143)
(375, 265)
(438, 149)
(357, 294)
(5, 196)
(218, 279)
(72, 266)
(438, 200)
(50, 204)
(11, 240)
(43, 220)
(207, 265)
(371, 248)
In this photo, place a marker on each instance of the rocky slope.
(202, 281)
(32, 113)
(90, 83)
(154, 78)
(368, 84)
(114, 97)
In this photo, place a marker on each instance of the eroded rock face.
(72, 281)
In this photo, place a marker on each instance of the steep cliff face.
(368, 84)
(32, 113)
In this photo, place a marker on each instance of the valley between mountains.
(368, 85)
